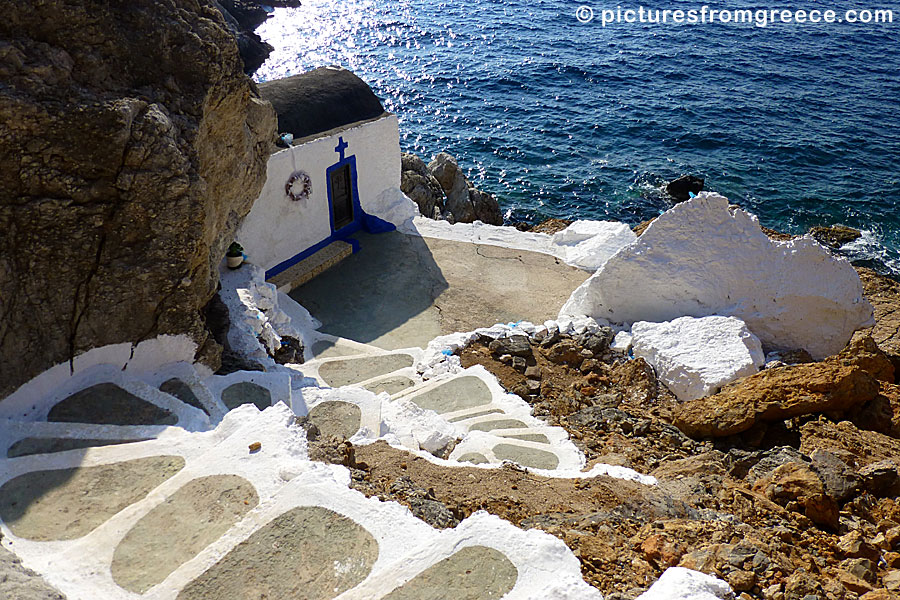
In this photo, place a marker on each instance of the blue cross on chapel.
(341, 147)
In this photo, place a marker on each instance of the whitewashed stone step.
(353, 370)
(182, 381)
(105, 395)
(324, 345)
(260, 388)
(499, 426)
(211, 515)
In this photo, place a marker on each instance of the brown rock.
(891, 581)
(741, 581)
(892, 537)
(854, 545)
(891, 397)
(660, 551)
(833, 385)
(892, 559)
(464, 202)
(515, 345)
(447, 173)
(853, 583)
(551, 226)
(796, 483)
(835, 236)
(796, 357)
(486, 207)
(590, 364)
(878, 595)
(881, 478)
(800, 584)
(861, 567)
(777, 235)
(883, 294)
(132, 146)
(420, 185)
(637, 377)
(866, 447)
(865, 353)
(565, 352)
(878, 415)
(841, 482)
(641, 227)
(534, 372)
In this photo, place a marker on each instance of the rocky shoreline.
(442, 192)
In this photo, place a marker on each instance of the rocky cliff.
(132, 145)
(441, 191)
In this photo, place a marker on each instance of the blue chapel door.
(341, 197)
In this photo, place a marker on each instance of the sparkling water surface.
(798, 123)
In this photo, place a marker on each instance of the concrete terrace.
(402, 291)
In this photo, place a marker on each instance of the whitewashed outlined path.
(113, 488)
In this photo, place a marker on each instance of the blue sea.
(798, 123)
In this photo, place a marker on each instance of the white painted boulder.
(589, 244)
(678, 583)
(695, 357)
(702, 258)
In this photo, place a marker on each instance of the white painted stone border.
(440, 356)
(357, 348)
(407, 546)
(407, 372)
(145, 357)
(706, 257)
(570, 458)
(369, 404)
(546, 567)
(278, 384)
(23, 408)
(188, 375)
(695, 357)
(479, 233)
(678, 583)
(15, 431)
(311, 368)
(554, 436)
(479, 440)
(319, 485)
(513, 407)
(484, 442)
(585, 252)
(80, 568)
